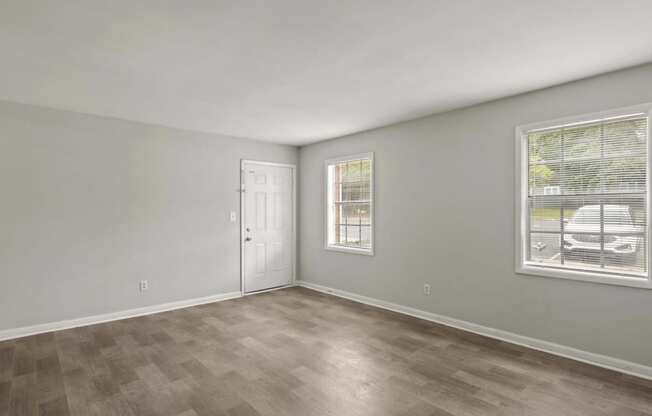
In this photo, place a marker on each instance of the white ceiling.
(299, 71)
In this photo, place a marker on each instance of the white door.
(267, 235)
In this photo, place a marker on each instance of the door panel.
(261, 211)
(261, 258)
(267, 223)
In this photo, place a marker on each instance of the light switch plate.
(234, 216)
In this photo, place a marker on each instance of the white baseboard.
(599, 360)
(112, 316)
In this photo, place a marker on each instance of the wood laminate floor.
(297, 352)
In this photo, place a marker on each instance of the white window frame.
(521, 200)
(327, 203)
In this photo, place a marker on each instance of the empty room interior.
(325, 208)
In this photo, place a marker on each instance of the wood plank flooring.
(297, 352)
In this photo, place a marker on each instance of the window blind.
(587, 195)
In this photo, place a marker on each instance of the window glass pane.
(352, 171)
(365, 190)
(625, 137)
(544, 179)
(351, 191)
(365, 213)
(339, 173)
(351, 214)
(337, 214)
(628, 253)
(625, 174)
(581, 142)
(580, 177)
(344, 173)
(341, 235)
(581, 250)
(544, 146)
(545, 214)
(365, 233)
(544, 249)
(352, 235)
(365, 167)
(336, 190)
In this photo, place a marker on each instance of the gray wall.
(91, 205)
(445, 215)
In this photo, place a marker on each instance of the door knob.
(247, 238)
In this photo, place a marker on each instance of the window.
(583, 207)
(349, 204)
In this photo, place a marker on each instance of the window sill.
(350, 250)
(533, 270)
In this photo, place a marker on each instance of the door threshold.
(255, 292)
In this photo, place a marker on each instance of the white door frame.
(293, 168)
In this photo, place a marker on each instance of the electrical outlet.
(144, 285)
(426, 289)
